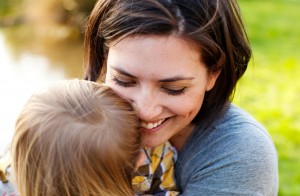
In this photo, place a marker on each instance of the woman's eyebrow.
(176, 78)
(172, 79)
(121, 71)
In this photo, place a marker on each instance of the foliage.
(270, 89)
(8, 7)
(47, 17)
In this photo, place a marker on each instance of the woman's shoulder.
(236, 130)
(236, 147)
(235, 116)
(235, 125)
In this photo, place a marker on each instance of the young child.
(79, 138)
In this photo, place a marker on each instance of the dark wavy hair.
(215, 26)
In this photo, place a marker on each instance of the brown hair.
(77, 138)
(214, 26)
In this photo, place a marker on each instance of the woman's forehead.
(153, 53)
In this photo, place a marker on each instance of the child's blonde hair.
(77, 138)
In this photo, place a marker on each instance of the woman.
(178, 63)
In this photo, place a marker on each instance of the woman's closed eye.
(123, 83)
(171, 91)
(174, 91)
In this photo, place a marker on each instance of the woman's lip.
(145, 130)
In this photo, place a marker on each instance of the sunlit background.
(42, 41)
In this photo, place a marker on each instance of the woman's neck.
(180, 138)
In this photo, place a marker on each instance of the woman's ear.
(214, 72)
(211, 79)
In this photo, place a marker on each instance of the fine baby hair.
(75, 138)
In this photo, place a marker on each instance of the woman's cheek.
(188, 105)
(126, 93)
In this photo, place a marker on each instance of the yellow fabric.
(5, 162)
(160, 169)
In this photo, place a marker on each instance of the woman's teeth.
(152, 125)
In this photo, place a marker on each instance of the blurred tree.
(8, 12)
(62, 18)
(85, 6)
(57, 11)
(5, 7)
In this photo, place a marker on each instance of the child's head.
(76, 138)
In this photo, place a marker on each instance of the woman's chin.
(152, 141)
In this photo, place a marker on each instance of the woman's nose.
(148, 106)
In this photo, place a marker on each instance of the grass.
(270, 89)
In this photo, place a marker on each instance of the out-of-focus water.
(26, 67)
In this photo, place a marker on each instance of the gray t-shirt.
(234, 155)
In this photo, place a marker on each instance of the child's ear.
(211, 79)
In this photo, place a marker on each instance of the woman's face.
(164, 79)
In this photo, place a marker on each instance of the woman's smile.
(152, 125)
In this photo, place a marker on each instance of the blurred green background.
(271, 87)
(269, 90)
